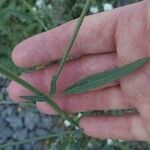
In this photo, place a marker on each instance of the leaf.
(2, 2)
(35, 98)
(103, 78)
(53, 85)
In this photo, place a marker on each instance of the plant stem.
(68, 48)
(36, 16)
(73, 38)
(37, 139)
(11, 103)
(28, 86)
(12, 76)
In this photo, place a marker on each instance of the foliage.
(16, 17)
(27, 20)
(103, 78)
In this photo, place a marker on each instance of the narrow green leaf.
(53, 86)
(39, 98)
(103, 78)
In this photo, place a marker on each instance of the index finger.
(95, 36)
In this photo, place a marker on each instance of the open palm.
(106, 40)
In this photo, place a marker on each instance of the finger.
(105, 99)
(96, 36)
(144, 107)
(132, 44)
(142, 93)
(73, 71)
(129, 127)
(132, 47)
(137, 86)
(132, 37)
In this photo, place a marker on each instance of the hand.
(105, 40)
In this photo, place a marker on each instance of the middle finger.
(73, 71)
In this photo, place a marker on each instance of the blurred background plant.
(22, 19)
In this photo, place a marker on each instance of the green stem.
(28, 86)
(73, 38)
(7, 103)
(19, 80)
(11, 103)
(68, 48)
(37, 139)
(36, 16)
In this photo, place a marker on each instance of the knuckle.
(82, 67)
(65, 104)
(96, 103)
(144, 109)
(46, 77)
(138, 130)
(79, 48)
(46, 46)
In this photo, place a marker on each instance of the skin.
(106, 40)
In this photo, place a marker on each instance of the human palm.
(106, 40)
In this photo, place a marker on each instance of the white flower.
(2, 76)
(77, 128)
(39, 3)
(89, 144)
(120, 140)
(49, 6)
(94, 9)
(109, 141)
(107, 6)
(67, 123)
(79, 115)
(34, 9)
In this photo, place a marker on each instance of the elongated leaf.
(35, 98)
(103, 78)
(53, 85)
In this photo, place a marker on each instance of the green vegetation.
(21, 20)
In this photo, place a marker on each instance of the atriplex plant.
(83, 85)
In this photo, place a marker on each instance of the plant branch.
(37, 139)
(68, 48)
(28, 86)
(11, 103)
(35, 15)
